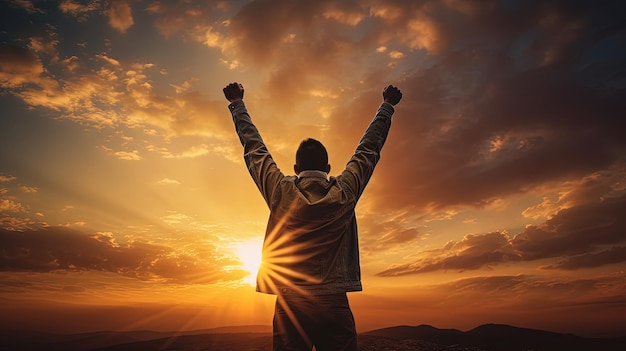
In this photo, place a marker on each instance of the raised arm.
(258, 159)
(360, 168)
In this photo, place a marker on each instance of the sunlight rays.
(249, 252)
(280, 250)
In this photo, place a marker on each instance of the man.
(311, 252)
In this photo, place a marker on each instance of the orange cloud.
(381, 233)
(585, 235)
(186, 18)
(345, 12)
(119, 14)
(4, 178)
(471, 253)
(46, 46)
(18, 66)
(112, 97)
(8, 205)
(128, 155)
(64, 249)
(612, 255)
(79, 11)
(28, 6)
(29, 189)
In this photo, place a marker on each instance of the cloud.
(574, 231)
(114, 96)
(79, 96)
(471, 253)
(527, 291)
(18, 66)
(396, 54)
(191, 152)
(46, 45)
(302, 44)
(12, 222)
(128, 155)
(27, 6)
(111, 61)
(5, 178)
(176, 218)
(585, 232)
(168, 181)
(616, 254)
(492, 119)
(29, 189)
(381, 233)
(464, 94)
(14, 214)
(186, 18)
(8, 205)
(119, 14)
(79, 11)
(347, 12)
(64, 249)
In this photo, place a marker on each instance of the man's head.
(311, 155)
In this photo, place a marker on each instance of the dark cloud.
(18, 66)
(308, 49)
(490, 118)
(471, 253)
(575, 231)
(262, 29)
(577, 236)
(120, 15)
(616, 254)
(63, 249)
(376, 235)
(524, 289)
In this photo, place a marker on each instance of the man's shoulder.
(289, 178)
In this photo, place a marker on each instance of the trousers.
(303, 321)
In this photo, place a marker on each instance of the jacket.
(311, 241)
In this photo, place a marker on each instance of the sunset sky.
(500, 196)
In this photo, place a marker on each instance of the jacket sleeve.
(258, 159)
(360, 168)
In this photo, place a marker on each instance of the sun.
(249, 253)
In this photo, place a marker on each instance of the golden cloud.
(120, 15)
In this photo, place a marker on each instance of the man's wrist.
(389, 104)
(234, 104)
(387, 107)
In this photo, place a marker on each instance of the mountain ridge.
(486, 337)
(501, 337)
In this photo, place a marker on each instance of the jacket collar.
(313, 174)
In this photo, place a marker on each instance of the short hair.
(311, 155)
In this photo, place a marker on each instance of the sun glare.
(249, 252)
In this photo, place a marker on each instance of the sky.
(500, 196)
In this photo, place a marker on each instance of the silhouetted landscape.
(488, 337)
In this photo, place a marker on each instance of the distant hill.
(489, 337)
(498, 337)
(37, 341)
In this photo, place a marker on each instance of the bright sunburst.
(249, 252)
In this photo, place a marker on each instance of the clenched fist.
(392, 95)
(233, 92)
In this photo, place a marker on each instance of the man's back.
(311, 249)
(311, 240)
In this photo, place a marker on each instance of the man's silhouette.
(311, 250)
